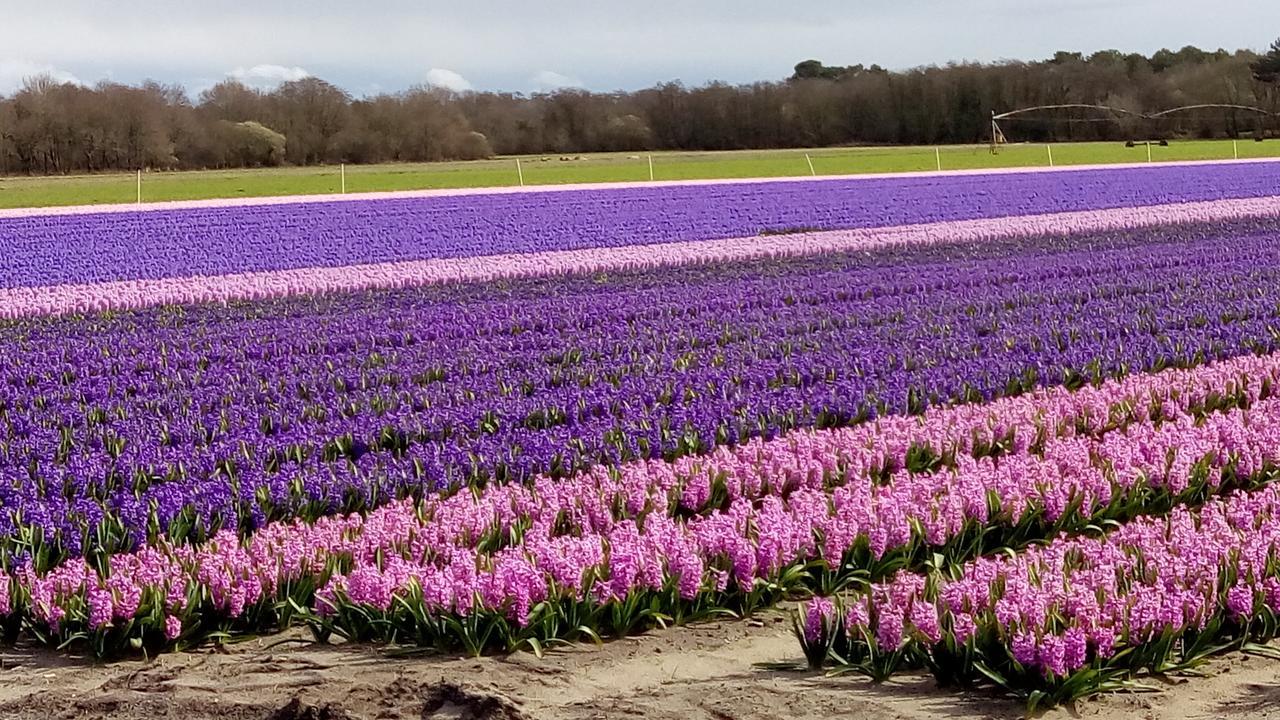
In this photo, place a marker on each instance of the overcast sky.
(367, 46)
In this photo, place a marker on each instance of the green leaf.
(535, 646)
(595, 637)
(1267, 651)
(995, 677)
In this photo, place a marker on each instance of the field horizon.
(18, 192)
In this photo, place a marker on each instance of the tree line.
(48, 127)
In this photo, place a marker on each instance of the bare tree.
(51, 127)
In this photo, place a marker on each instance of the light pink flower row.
(1056, 606)
(65, 299)
(753, 510)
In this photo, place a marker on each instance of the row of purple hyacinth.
(91, 248)
(28, 301)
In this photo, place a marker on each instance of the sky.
(374, 46)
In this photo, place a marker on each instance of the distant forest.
(52, 128)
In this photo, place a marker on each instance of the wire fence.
(142, 187)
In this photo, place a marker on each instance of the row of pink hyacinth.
(1059, 607)
(706, 524)
(19, 302)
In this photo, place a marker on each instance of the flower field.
(1016, 429)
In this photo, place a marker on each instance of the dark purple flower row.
(72, 249)
(176, 420)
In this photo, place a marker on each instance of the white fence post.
(810, 161)
(139, 187)
(651, 167)
(343, 171)
(520, 172)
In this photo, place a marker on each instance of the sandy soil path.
(710, 672)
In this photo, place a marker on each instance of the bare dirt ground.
(710, 671)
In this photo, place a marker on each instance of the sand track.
(711, 671)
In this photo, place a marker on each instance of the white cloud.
(448, 79)
(605, 45)
(13, 73)
(266, 77)
(550, 80)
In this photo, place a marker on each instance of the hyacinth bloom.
(188, 420)
(705, 529)
(1197, 575)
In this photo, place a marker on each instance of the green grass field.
(548, 170)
